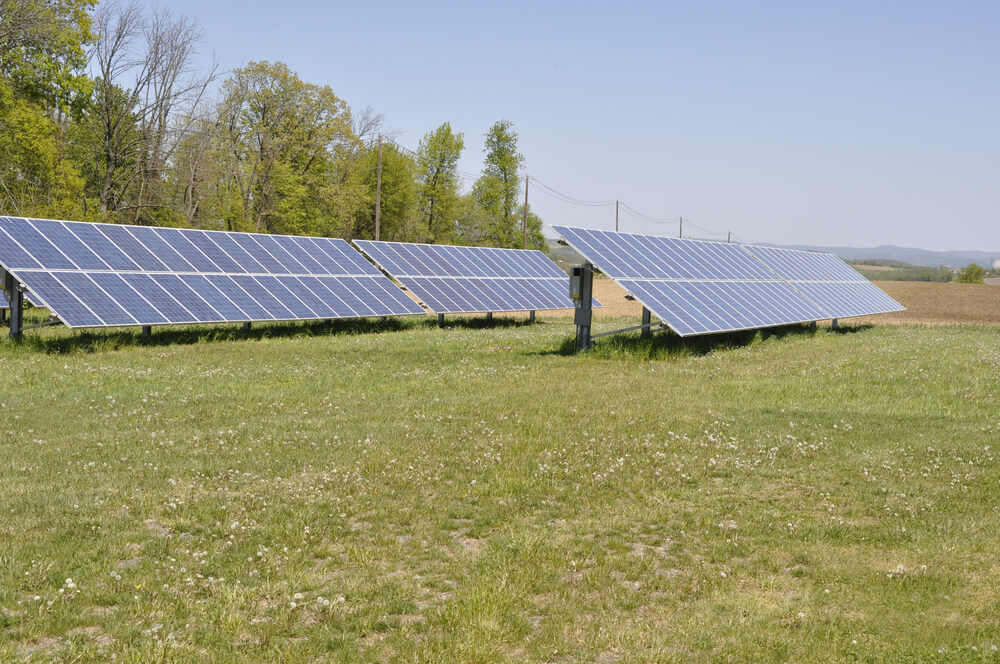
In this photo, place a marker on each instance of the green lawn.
(400, 492)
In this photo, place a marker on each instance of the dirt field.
(926, 302)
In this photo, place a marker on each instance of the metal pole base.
(581, 289)
(531, 316)
(646, 321)
(15, 299)
(835, 324)
(247, 325)
(489, 315)
(812, 325)
(147, 330)
(440, 319)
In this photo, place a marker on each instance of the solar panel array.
(700, 287)
(832, 284)
(102, 275)
(450, 279)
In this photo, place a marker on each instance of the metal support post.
(15, 298)
(489, 315)
(646, 322)
(147, 330)
(531, 316)
(581, 290)
(247, 325)
(3, 312)
(812, 325)
(835, 324)
(440, 319)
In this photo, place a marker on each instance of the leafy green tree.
(399, 215)
(42, 51)
(496, 191)
(471, 222)
(973, 274)
(437, 174)
(42, 87)
(36, 177)
(284, 147)
(536, 240)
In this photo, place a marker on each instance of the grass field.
(400, 492)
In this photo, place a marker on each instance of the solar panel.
(102, 275)
(450, 279)
(694, 286)
(828, 281)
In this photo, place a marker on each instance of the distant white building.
(996, 263)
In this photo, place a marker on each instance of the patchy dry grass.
(399, 492)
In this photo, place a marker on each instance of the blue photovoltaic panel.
(795, 265)
(631, 256)
(450, 279)
(703, 307)
(828, 281)
(96, 275)
(695, 287)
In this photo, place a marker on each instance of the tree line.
(104, 116)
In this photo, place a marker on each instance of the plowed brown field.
(925, 302)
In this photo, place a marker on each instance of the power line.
(644, 217)
(552, 192)
(571, 199)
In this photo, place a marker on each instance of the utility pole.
(527, 179)
(680, 231)
(378, 192)
(616, 215)
(729, 238)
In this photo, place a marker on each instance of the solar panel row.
(450, 279)
(699, 287)
(95, 275)
(70, 245)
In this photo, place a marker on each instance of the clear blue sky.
(832, 123)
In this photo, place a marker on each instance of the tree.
(194, 169)
(399, 196)
(471, 222)
(437, 175)
(143, 102)
(973, 274)
(285, 148)
(42, 54)
(536, 240)
(42, 87)
(496, 191)
(36, 178)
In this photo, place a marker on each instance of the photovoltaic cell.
(450, 279)
(95, 275)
